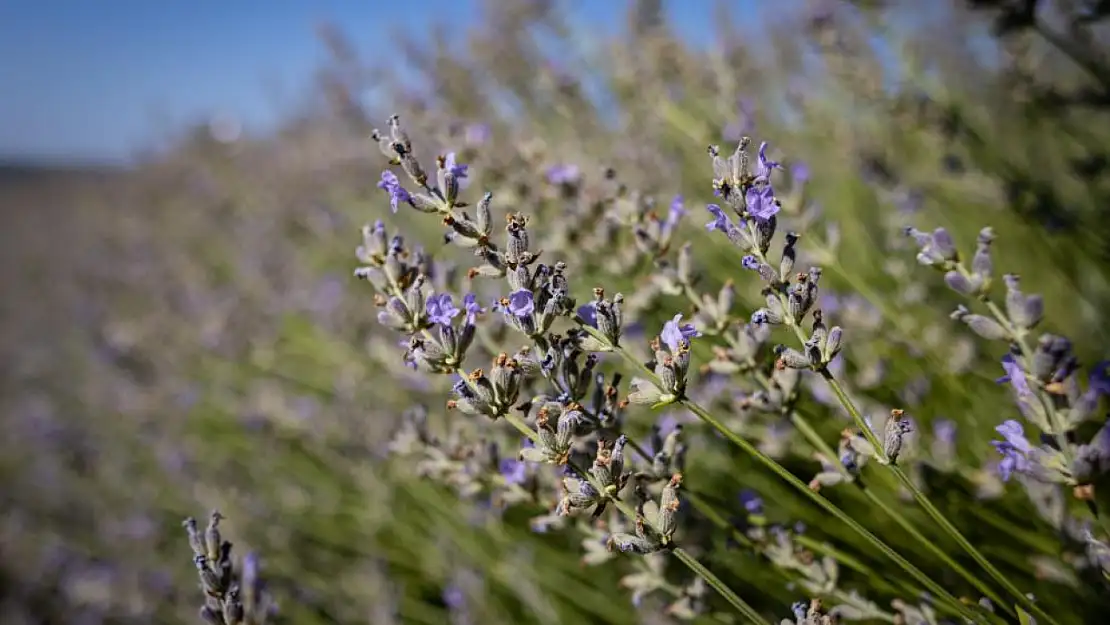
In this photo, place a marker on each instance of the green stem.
(683, 556)
(936, 589)
(928, 506)
(839, 596)
(699, 569)
(822, 447)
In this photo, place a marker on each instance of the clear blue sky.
(88, 79)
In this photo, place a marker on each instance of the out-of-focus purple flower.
(945, 431)
(476, 134)
(1015, 375)
(675, 332)
(677, 210)
(391, 185)
(441, 309)
(1014, 449)
(763, 170)
(1098, 380)
(800, 172)
(761, 202)
(513, 470)
(588, 313)
(565, 173)
(521, 303)
(460, 171)
(751, 501)
(744, 124)
(473, 309)
(454, 598)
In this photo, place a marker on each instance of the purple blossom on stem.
(1015, 449)
(588, 314)
(459, 171)
(1015, 375)
(761, 202)
(675, 333)
(473, 309)
(763, 170)
(750, 262)
(521, 303)
(391, 185)
(441, 309)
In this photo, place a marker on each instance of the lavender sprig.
(539, 294)
(231, 598)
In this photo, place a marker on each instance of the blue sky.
(95, 80)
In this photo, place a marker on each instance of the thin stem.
(822, 447)
(936, 589)
(699, 569)
(683, 556)
(838, 595)
(928, 506)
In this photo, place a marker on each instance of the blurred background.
(182, 187)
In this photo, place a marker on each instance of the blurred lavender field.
(186, 334)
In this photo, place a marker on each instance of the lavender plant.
(230, 597)
(585, 435)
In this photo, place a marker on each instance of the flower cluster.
(230, 598)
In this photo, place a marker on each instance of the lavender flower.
(397, 194)
(1015, 375)
(563, 174)
(1015, 449)
(521, 303)
(675, 333)
(472, 307)
(514, 471)
(761, 202)
(441, 309)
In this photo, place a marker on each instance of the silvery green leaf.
(644, 392)
(534, 454)
(862, 446)
(985, 327)
(829, 478)
(629, 543)
(425, 203)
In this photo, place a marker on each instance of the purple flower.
(563, 174)
(473, 309)
(1015, 375)
(441, 309)
(513, 470)
(454, 598)
(763, 171)
(521, 303)
(1015, 449)
(675, 333)
(800, 172)
(450, 165)
(677, 210)
(477, 134)
(750, 262)
(761, 202)
(588, 313)
(751, 501)
(391, 185)
(945, 431)
(720, 222)
(1098, 381)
